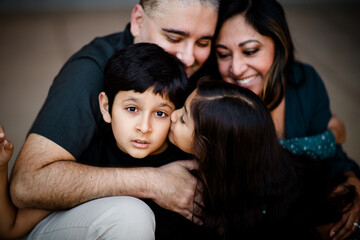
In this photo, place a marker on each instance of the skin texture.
(43, 175)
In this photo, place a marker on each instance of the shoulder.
(303, 73)
(100, 49)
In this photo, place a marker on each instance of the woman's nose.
(238, 67)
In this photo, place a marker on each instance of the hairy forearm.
(65, 184)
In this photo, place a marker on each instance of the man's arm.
(47, 176)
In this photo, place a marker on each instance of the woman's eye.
(161, 114)
(131, 109)
(203, 43)
(222, 55)
(250, 52)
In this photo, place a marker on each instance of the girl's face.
(182, 126)
(244, 56)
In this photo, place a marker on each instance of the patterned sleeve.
(319, 147)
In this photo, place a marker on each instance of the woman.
(254, 50)
(252, 187)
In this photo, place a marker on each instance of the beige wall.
(33, 48)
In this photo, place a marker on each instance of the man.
(46, 174)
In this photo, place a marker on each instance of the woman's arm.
(320, 146)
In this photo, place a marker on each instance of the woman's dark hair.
(268, 18)
(141, 66)
(252, 187)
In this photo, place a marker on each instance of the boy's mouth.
(139, 143)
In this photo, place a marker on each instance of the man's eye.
(222, 55)
(173, 39)
(131, 109)
(161, 114)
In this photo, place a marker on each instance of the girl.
(252, 187)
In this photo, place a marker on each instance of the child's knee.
(126, 218)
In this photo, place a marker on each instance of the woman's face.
(244, 56)
(181, 132)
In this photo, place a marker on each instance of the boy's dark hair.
(141, 66)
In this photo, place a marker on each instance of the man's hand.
(176, 189)
(345, 227)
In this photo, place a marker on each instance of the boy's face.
(183, 30)
(140, 121)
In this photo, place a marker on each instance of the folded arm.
(47, 176)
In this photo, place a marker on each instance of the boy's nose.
(144, 125)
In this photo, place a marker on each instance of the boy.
(143, 86)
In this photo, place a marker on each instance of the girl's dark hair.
(268, 18)
(141, 66)
(252, 187)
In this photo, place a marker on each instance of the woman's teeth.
(246, 80)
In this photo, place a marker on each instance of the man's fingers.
(192, 217)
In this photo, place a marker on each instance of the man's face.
(185, 31)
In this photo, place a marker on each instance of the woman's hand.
(338, 129)
(345, 227)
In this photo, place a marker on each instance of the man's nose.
(186, 54)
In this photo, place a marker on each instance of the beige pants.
(106, 218)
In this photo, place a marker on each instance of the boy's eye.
(132, 109)
(161, 114)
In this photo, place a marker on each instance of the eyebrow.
(184, 33)
(136, 101)
(240, 44)
(248, 41)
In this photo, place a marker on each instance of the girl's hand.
(6, 148)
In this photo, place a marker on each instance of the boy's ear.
(137, 19)
(104, 107)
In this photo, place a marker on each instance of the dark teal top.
(307, 112)
(320, 146)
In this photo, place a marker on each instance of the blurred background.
(38, 36)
